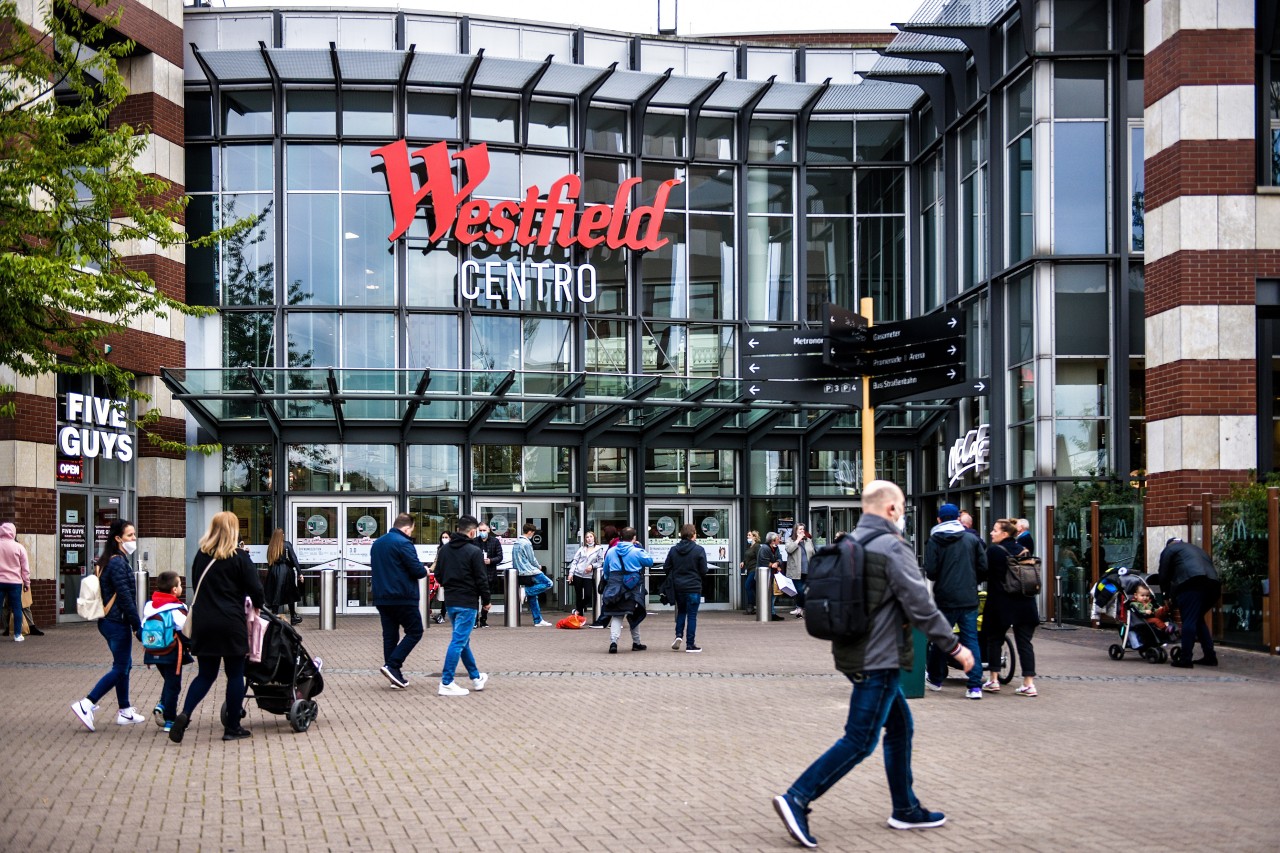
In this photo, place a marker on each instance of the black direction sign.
(801, 342)
(805, 366)
(846, 357)
(886, 389)
(933, 327)
(841, 323)
(980, 387)
(848, 391)
(917, 357)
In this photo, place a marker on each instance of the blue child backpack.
(160, 632)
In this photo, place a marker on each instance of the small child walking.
(167, 599)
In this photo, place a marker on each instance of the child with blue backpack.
(162, 620)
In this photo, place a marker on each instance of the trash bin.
(328, 600)
(913, 681)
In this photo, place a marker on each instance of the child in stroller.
(1125, 599)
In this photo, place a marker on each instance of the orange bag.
(572, 621)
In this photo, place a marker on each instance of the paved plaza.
(570, 748)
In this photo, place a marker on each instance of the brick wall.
(36, 419)
(32, 510)
(169, 276)
(1201, 387)
(171, 429)
(147, 109)
(151, 31)
(1177, 489)
(1201, 167)
(144, 353)
(44, 602)
(163, 517)
(1202, 278)
(1198, 58)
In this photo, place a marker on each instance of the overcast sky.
(695, 17)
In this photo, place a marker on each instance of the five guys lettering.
(532, 221)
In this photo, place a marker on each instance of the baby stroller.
(1112, 602)
(287, 678)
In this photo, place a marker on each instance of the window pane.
(494, 119)
(831, 264)
(881, 140)
(607, 470)
(198, 113)
(662, 348)
(246, 113)
(312, 113)
(882, 270)
(246, 467)
(202, 264)
(311, 167)
(769, 191)
(431, 272)
(770, 268)
(881, 190)
(830, 141)
(549, 124)
(249, 258)
(431, 116)
(711, 266)
(313, 339)
(547, 468)
(1021, 213)
(358, 165)
(495, 343)
(368, 260)
(367, 113)
(203, 174)
(547, 344)
(1020, 308)
(1080, 24)
(247, 167)
(1137, 299)
(1137, 190)
(1080, 448)
(433, 341)
(601, 179)
(608, 346)
(369, 468)
(435, 468)
(1080, 389)
(495, 467)
(1018, 107)
(663, 135)
(708, 188)
(542, 170)
(1080, 90)
(1022, 451)
(248, 339)
(370, 339)
(611, 280)
(711, 351)
(607, 130)
(1080, 187)
(1081, 310)
(663, 271)
(773, 472)
(715, 138)
(829, 191)
(312, 248)
(770, 141)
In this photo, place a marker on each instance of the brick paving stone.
(570, 748)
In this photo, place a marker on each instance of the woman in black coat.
(1004, 610)
(222, 576)
(282, 577)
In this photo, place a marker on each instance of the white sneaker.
(677, 643)
(798, 612)
(543, 624)
(478, 683)
(129, 717)
(19, 639)
(84, 711)
(452, 689)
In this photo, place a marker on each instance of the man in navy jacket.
(395, 572)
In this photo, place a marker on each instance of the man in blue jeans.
(895, 593)
(461, 571)
(394, 574)
(954, 560)
(526, 565)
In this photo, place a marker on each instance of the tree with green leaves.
(73, 204)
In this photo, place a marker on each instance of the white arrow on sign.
(980, 386)
(951, 350)
(754, 368)
(951, 374)
(754, 390)
(951, 323)
(753, 343)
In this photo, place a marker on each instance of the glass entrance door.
(714, 526)
(825, 522)
(553, 542)
(78, 514)
(337, 536)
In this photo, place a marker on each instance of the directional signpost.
(821, 391)
(791, 367)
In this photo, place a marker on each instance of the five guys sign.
(533, 221)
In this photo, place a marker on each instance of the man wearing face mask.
(491, 547)
(748, 566)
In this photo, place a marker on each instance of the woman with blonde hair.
(222, 576)
(282, 577)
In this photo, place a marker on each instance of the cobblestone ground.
(570, 748)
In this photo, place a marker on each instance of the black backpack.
(835, 596)
(1022, 577)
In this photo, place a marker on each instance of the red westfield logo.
(532, 221)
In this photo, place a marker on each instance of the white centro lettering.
(586, 283)
(470, 289)
(564, 278)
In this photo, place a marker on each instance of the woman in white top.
(582, 568)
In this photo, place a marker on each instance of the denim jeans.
(541, 583)
(12, 594)
(169, 692)
(464, 622)
(877, 703)
(208, 673)
(120, 640)
(937, 659)
(687, 606)
(395, 616)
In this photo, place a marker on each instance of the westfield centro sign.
(534, 221)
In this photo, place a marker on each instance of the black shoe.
(613, 648)
(6, 633)
(36, 632)
(395, 676)
(776, 618)
(180, 724)
(751, 611)
(795, 819)
(295, 620)
(692, 649)
(1181, 664)
(1207, 661)
(239, 733)
(439, 620)
(638, 647)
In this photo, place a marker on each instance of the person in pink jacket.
(15, 574)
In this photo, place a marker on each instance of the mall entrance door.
(82, 514)
(715, 533)
(554, 542)
(829, 519)
(336, 535)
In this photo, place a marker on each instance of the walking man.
(686, 568)
(460, 568)
(954, 561)
(395, 571)
(526, 566)
(895, 594)
(1187, 574)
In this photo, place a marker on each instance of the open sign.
(71, 470)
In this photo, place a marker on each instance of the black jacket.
(282, 580)
(218, 591)
(1181, 563)
(461, 571)
(491, 548)
(1003, 609)
(395, 569)
(1026, 540)
(955, 562)
(686, 566)
(117, 579)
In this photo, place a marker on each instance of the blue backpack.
(160, 633)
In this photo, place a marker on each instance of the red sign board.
(534, 220)
(71, 470)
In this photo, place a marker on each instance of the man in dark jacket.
(460, 570)
(1187, 574)
(954, 560)
(686, 568)
(395, 571)
(896, 594)
(1024, 538)
(491, 548)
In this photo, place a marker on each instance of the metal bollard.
(511, 610)
(596, 604)
(142, 583)
(328, 600)
(424, 599)
(764, 594)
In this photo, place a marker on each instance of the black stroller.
(1112, 599)
(287, 679)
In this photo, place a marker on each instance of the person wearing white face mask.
(491, 547)
(121, 619)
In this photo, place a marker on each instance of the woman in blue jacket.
(118, 627)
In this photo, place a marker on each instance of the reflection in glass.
(1080, 187)
(710, 351)
(711, 266)
(662, 348)
(494, 119)
(881, 139)
(361, 171)
(1079, 90)
(611, 280)
(431, 116)
(663, 135)
(882, 271)
(433, 516)
(607, 130)
(714, 139)
(831, 264)
(246, 113)
(1019, 302)
(246, 467)
(311, 167)
(247, 167)
(608, 469)
(547, 468)
(313, 339)
(248, 339)
(549, 124)
(830, 141)
(608, 346)
(311, 251)
(829, 192)
(1080, 448)
(1137, 190)
(1021, 213)
(367, 113)
(770, 141)
(435, 467)
(309, 112)
(368, 260)
(431, 271)
(663, 273)
(1080, 388)
(1081, 309)
(547, 344)
(769, 191)
(601, 178)
(770, 268)
(433, 341)
(773, 472)
(249, 257)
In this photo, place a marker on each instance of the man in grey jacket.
(896, 594)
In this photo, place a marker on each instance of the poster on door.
(316, 549)
(717, 549)
(358, 550)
